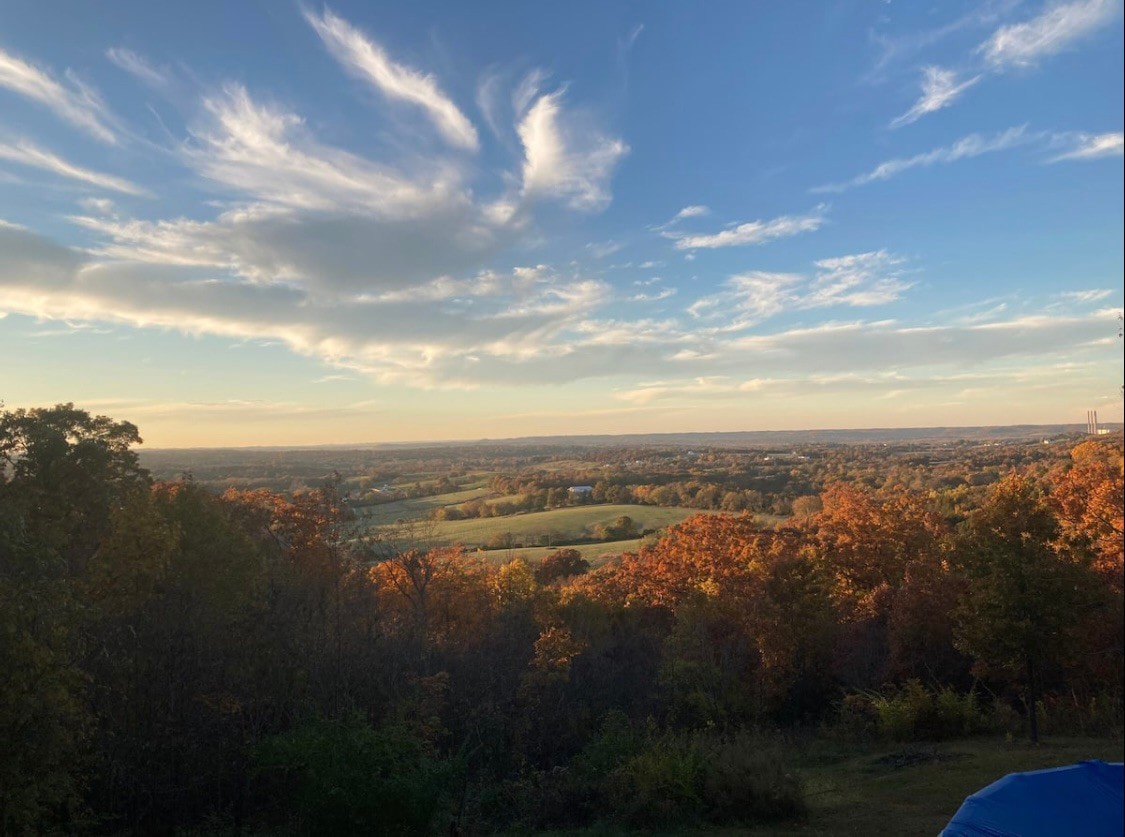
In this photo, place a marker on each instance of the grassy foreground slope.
(915, 789)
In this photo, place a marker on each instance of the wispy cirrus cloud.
(601, 249)
(27, 154)
(656, 295)
(900, 46)
(747, 299)
(307, 213)
(940, 89)
(709, 386)
(73, 102)
(1016, 45)
(1094, 147)
(687, 212)
(861, 279)
(1086, 297)
(1053, 31)
(695, 211)
(138, 67)
(857, 280)
(752, 232)
(565, 160)
(335, 223)
(972, 145)
(365, 59)
(264, 150)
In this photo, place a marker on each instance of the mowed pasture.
(560, 525)
(596, 553)
(417, 508)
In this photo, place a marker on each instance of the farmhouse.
(580, 490)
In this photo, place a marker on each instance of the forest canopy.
(180, 657)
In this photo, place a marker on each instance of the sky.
(278, 223)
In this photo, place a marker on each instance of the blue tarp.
(1082, 799)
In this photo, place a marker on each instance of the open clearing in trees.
(909, 789)
(561, 526)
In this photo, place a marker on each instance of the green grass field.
(563, 525)
(596, 553)
(418, 508)
(915, 789)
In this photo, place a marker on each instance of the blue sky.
(284, 223)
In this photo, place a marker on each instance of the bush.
(1097, 715)
(697, 778)
(346, 777)
(912, 712)
(632, 777)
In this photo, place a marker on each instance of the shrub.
(695, 778)
(912, 712)
(958, 715)
(346, 777)
(1099, 715)
(632, 777)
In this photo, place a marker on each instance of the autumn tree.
(1023, 599)
(871, 545)
(562, 563)
(868, 541)
(738, 590)
(1089, 500)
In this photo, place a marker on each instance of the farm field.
(596, 553)
(566, 524)
(416, 508)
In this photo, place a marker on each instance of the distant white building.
(579, 490)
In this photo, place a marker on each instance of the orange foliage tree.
(753, 610)
(1090, 502)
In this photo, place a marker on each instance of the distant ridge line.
(728, 438)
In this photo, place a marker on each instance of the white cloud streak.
(366, 60)
(858, 280)
(973, 145)
(940, 89)
(75, 103)
(138, 67)
(862, 279)
(264, 151)
(1094, 147)
(1056, 29)
(695, 211)
(26, 154)
(1014, 46)
(753, 232)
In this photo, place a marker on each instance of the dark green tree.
(1023, 598)
(62, 474)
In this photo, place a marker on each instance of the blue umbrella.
(1081, 799)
